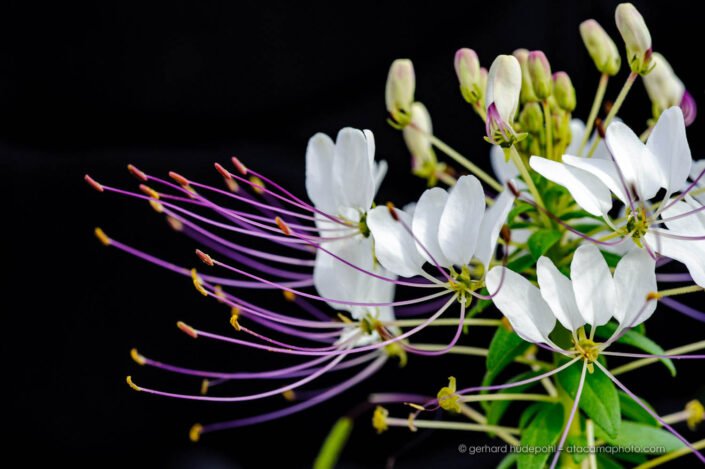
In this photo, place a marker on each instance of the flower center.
(637, 224)
(464, 281)
(587, 349)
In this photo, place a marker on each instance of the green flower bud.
(527, 91)
(665, 89)
(399, 93)
(601, 47)
(417, 141)
(531, 118)
(467, 67)
(563, 91)
(636, 36)
(540, 73)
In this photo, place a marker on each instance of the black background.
(90, 87)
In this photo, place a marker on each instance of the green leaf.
(641, 438)
(636, 340)
(519, 208)
(611, 258)
(522, 263)
(334, 444)
(577, 441)
(541, 241)
(498, 408)
(606, 462)
(634, 411)
(530, 412)
(543, 431)
(504, 348)
(507, 461)
(578, 214)
(599, 399)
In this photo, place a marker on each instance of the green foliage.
(498, 408)
(599, 399)
(504, 348)
(645, 438)
(543, 431)
(634, 411)
(334, 444)
(541, 241)
(635, 339)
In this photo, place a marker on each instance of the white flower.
(665, 89)
(450, 229)
(635, 175)
(593, 296)
(342, 179)
(504, 87)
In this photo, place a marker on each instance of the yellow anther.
(139, 359)
(395, 349)
(447, 398)
(283, 226)
(102, 237)
(379, 419)
(204, 387)
(195, 433)
(410, 422)
(257, 184)
(418, 407)
(149, 191)
(289, 296)
(159, 208)
(232, 185)
(218, 292)
(175, 224)
(132, 385)
(235, 312)
(186, 329)
(654, 295)
(696, 413)
(344, 318)
(234, 323)
(289, 395)
(197, 283)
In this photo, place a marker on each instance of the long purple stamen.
(445, 349)
(651, 412)
(683, 309)
(684, 277)
(650, 355)
(573, 411)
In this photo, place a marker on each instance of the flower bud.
(531, 118)
(399, 93)
(527, 91)
(503, 87)
(467, 67)
(416, 138)
(664, 88)
(636, 36)
(563, 91)
(540, 72)
(601, 47)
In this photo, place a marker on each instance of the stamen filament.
(472, 427)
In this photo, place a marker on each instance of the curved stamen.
(680, 196)
(445, 349)
(571, 416)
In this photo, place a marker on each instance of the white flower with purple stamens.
(635, 174)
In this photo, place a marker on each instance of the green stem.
(597, 102)
(698, 445)
(508, 397)
(680, 290)
(519, 163)
(473, 427)
(548, 121)
(445, 322)
(461, 160)
(590, 435)
(615, 108)
(648, 361)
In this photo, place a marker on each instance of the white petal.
(692, 224)
(592, 285)
(460, 221)
(697, 167)
(503, 169)
(395, 248)
(504, 86)
(577, 130)
(336, 280)
(427, 217)
(380, 171)
(352, 170)
(603, 169)
(587, 190)
(669, 145)
(634, 279)
(522, 304)
(492, 222)
(319, 172)
(637, 164)
(689, 253)
(557, 291)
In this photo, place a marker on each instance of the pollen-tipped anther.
(223, 172)
(238, 164)
(194, 434)
(102, 237)
(132, 384)
(392, 211)
(198, 283)
(180, 180)
(148, 191)
(137, 173)
(653, 296)
(289, 295)
(93, 183)
(186, 329)
(205, 258)
(204, 387)
(139, 359)
(283, 226)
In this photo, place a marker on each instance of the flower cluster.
(560, 250)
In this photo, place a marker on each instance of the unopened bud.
(504, 86)
(399, 92)
(527, 90)
(563, 91)
(601, 47)
(467, 67)
(531, 118)
(636, 36)
(540, 72)
(417, 140)
(665, 89)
